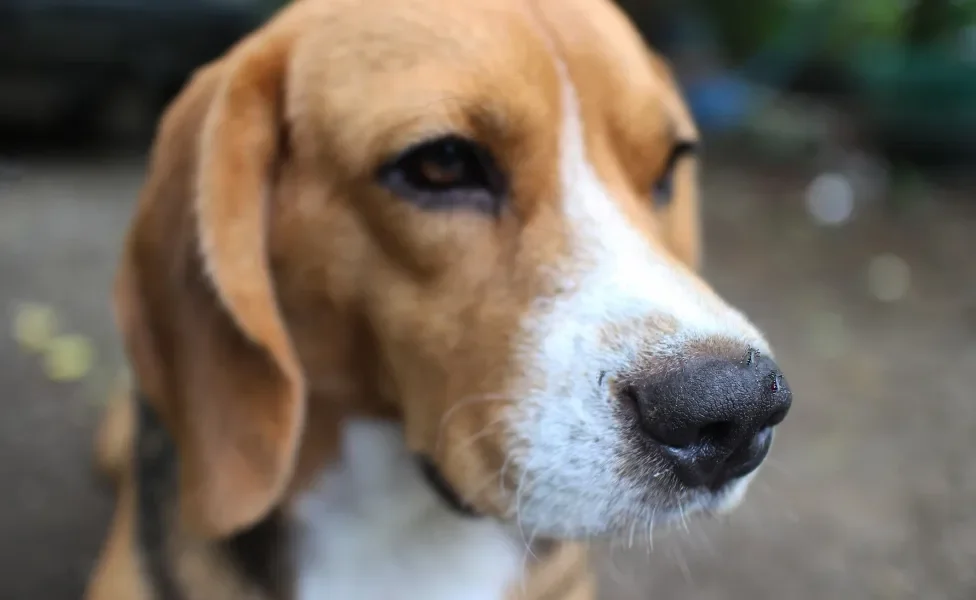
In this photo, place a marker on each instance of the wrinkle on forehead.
(381, 81)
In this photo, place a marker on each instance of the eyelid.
(678, 151)
(393, 157)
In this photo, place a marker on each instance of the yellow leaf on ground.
(69, 358)
(34, 326)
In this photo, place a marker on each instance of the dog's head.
(477, 217)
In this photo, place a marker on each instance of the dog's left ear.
(239, 152)
(196, 299)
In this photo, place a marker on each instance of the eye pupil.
(443, 166)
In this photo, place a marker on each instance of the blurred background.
(840, 215)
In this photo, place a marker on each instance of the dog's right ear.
(195, 298)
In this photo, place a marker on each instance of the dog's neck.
(374, 524)
(373, 527)
(322, 448)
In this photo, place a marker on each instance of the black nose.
(713, 416)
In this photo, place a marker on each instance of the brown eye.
(447, 165)
(446, 172)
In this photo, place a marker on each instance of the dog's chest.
(373, 529)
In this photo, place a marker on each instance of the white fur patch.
(566, 432)
(374, 530)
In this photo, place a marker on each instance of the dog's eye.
(664, 186)
(444, 173)
(445, 164)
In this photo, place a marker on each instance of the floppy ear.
(195, 297)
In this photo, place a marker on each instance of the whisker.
(683, 517)
(519, 489)
(481, 487)
(502, 490)
(706, 541)
(622, 580)
(468, 401)
(682, 562)
(633, 528)
(468, 441)
(530, 554)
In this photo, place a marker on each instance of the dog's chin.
(653, 512)
(718, 503)
(692, 505)
(729, 499)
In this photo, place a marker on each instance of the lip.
(755, 452)
(760, 445)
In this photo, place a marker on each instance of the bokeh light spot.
(34, 326)
(830, 199)
(69, 358)
(889, 277)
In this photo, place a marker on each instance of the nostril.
(747, 457)
(716, 432)
(662, 430)
(684, 437)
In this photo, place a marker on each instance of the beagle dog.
(411, 308)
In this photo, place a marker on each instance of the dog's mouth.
(586, 467)
(663, 505)
(443, 488)
(681, 509)
(723, 501)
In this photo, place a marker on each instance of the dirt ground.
(870, 491)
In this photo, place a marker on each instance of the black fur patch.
(444, 489)
(262, 555)
(155, 477)
(259, 555)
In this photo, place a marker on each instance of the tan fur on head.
(273, 284)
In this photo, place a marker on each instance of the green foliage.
(857, 21)
(746, 27)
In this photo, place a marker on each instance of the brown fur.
(268, 289)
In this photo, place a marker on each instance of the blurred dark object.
(903, 71)
(918, 93)
(920, 106)
(84, 66)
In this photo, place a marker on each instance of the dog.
(412, 309)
